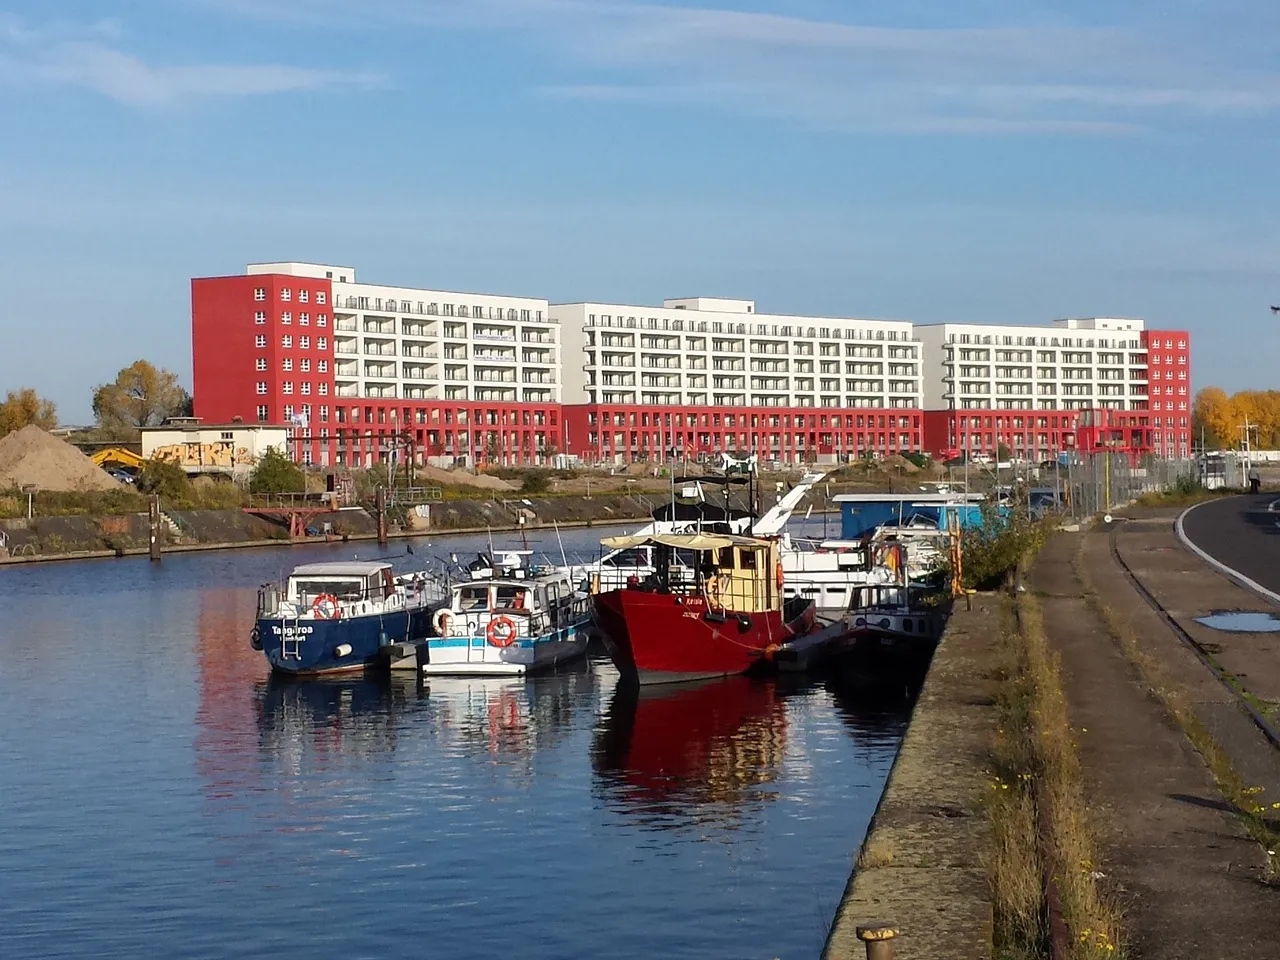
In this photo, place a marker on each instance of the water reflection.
(663, 748)
(501, 718)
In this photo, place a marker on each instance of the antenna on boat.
(563, 558)
(489, 530)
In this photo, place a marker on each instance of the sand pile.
(32, 456)
(461, 478)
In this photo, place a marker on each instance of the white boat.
(508, 620)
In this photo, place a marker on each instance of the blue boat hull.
(310, 647)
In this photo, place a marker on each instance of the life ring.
(713, 591)
(326, 607)
(442, 621)
(778, 574)
(501, 632)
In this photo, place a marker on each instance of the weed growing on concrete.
(1044, 849)
(1243, 799)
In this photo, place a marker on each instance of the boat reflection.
(662, 748)
(509, 718)
(497, 717)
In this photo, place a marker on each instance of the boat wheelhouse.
(344, 616)
(726, 618)
(508, 620)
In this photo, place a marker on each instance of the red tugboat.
(727, 618)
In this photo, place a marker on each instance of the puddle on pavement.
(1239, 621)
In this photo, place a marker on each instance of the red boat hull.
(665, 638)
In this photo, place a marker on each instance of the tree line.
(1218, 418)
(141, 395)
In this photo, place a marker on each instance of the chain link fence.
(1089, 484)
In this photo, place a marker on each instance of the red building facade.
(608, 433)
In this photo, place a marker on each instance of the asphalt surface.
(1243, 533)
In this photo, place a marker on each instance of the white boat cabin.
(331, 591)
(532, 606)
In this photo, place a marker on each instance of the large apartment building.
(711, 375)
(361, 370)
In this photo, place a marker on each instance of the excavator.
(114, 459)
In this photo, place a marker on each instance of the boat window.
(746, 559)
(348, 590)
(724, 558)
(473, 598)
(633, 557)
(506, 596)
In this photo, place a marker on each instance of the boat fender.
(342, 650)
(501, 632)
(326, 607)
(442, 621)
(771, 651)
(744, 624)
(255, 638)
(778, 574)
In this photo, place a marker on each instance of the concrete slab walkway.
(1187, 873)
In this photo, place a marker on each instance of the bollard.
(879, 939)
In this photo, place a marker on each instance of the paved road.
(1241, 532)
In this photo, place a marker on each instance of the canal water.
(160, 796)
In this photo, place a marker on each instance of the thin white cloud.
(1019, 75)
(87, 57)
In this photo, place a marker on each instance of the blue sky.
(975, 160)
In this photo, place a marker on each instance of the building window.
(287, 363)
(322, 320)
(288, 411)
(260, 317)
(306, 365)
(259, 293)
(286, 294)
(287, 388)
(323, 366)
(262, 414)
(262, 386)
(324, 414)
(321, 297)
(304, 343)
(322, 343)
(304, 296)
(324, 389)
(286, 317)
(286, 341)
(261, 363)
(260, 340)
(306, 387)
(304, 319)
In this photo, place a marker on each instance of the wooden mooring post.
(155, 527)
(380, 502)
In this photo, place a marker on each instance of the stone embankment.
(923, 863)
(86, 536)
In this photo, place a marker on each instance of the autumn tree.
(23, 407)
(141, 395)
(1222, 417)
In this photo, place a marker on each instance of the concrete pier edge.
(923, 863)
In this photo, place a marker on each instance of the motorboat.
(508, 619)
(726, 616)
(340, 617)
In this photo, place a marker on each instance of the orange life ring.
(326, 607)
(778, 574)
(501, 632)
(442, 621)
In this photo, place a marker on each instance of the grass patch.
(1242, 798)
(1041, 834)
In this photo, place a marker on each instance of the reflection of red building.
(229, 672)
(710, 742)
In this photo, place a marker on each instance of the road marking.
(1218, 565)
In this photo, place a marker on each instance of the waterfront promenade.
(1178, 779)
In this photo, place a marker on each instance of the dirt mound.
(898, 462)
(31, 456)
(461, 478)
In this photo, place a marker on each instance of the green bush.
(167, 479)
(276, 473)
(920, 460)
(52, 503)
(535, 482)
(989, 554)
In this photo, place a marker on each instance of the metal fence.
(1097, 483)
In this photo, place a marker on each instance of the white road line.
(1218, 565)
